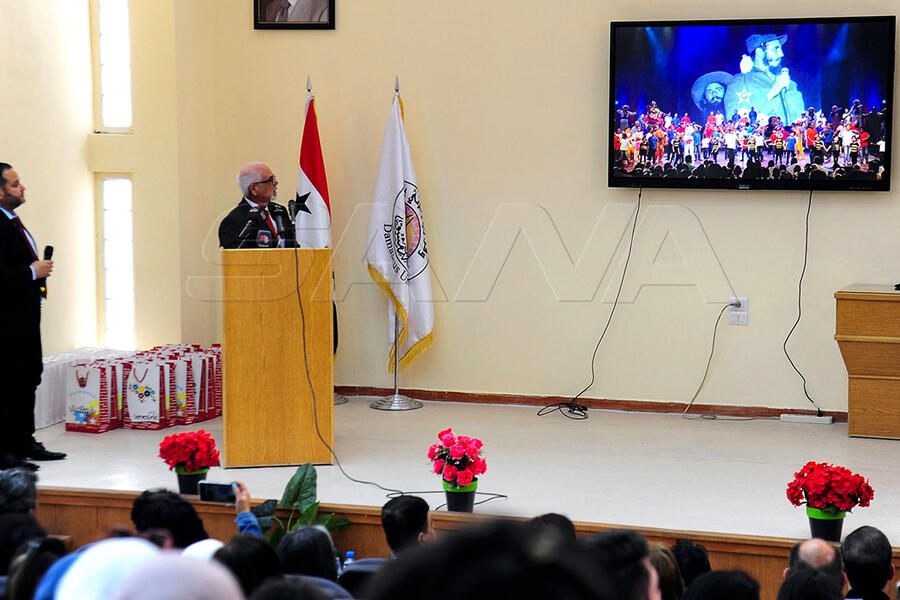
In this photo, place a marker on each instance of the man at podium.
(257, 221)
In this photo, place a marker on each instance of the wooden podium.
(868, 334)
(268, 405)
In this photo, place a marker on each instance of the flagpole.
(398, 401)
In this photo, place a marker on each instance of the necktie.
(282, 15)
(21, 227)
(270, 223)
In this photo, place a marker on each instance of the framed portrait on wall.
(293, 14)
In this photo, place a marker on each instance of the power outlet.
(739, 315)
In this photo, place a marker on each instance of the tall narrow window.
(118, 263)
(114, 57)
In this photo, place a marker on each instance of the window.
(118, 262)
(113, 65)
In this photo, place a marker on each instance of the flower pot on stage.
(460, 499)
(824, 524)
(187, 482)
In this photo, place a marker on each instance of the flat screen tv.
(795, 104)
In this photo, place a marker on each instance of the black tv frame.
(882, 185)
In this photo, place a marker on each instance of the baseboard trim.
(598, 403)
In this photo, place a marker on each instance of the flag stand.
(340, 399)
(397, 401)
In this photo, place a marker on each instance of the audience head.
(202, 550)
(692, 559)
(101, 568)
(18, 491)
(15, 530)
(555, 524)
(809, 584)
(162, 509)
(289, 588)
(169, 576)
(816, 554)
(406, 522)
(671, 584)
(867, 560)
(250, 559)
(32, 560)
(623, 555)
(715, 585)
(309, 551)
(496, 560)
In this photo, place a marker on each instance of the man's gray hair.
(18, 491)
(249, 174)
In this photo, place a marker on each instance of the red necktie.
(270, 223)
(21, 227)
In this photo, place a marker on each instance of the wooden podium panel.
(868, 334)
(268, 407)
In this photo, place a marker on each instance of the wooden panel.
(85, 514)
(870, 357)
(868, 314)
(269, 412)
(874, 408)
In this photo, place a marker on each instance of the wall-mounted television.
(796, 104)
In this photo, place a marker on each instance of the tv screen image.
(752, 104)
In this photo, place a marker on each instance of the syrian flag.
(313, 223)
(396, 252)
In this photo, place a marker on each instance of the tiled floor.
(625, 468)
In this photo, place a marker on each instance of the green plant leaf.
(301, 489)
(307, 517)
(266, 509)
(333, 523)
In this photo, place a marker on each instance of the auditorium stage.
(628, 468)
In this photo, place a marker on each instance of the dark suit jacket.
(20, 305)
(232, 225)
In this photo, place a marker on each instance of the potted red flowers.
(458, 460)
(829, 492)
(191, 454)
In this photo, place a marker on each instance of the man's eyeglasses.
(269, 180)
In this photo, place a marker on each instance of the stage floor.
(626, 468)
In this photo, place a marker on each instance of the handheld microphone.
(48, 252)
(253, 218)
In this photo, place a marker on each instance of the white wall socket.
(739, 315)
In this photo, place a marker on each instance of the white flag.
(396, 252)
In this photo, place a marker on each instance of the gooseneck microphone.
(254, 218)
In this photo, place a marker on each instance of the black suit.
(234, 222)
(21, 360)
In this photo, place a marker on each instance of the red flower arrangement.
(829, 488)
(457, 459)
(192, 451)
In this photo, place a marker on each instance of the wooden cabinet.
(868, 333)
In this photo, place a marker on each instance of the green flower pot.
(460, 499)
(188, 482)
(825, 524)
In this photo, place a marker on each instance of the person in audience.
(32, 560)
(163, 509)
(15, 530)
(407, 523)
(868, 563)
(624, 556)
(202, 550)
(102, 567)
(561, 525)
(692, 559)
(671, 585)
(719, 585)
(494, 560)
(250, 559)
(289, 589)
(18, 491)
(809, 584)
(816, 554)
(309, 551)
(170, 577)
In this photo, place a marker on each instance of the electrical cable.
(800, 308)
(391, 492)
(571, 409)
(712, 350)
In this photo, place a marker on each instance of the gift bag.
(146, 395)
(91, 405)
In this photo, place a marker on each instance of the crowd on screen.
(844, 143)
(166, 554)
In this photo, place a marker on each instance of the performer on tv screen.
(767, 86)
(708, 93)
